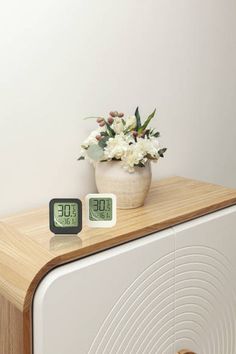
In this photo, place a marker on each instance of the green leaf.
(103, 142)
(104, 134)
(147, 121)
(161, 152)
(140, 164)
(147, 133)
(110, 130)
(138, 119)
(156, 135)
(81, 158)
(85, 118)
(95, 152)
(150, 157)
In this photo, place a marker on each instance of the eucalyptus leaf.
(95, 152)
(103, 142)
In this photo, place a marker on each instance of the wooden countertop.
(28, 249)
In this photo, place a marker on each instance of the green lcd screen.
(66, 214)
(100, 209)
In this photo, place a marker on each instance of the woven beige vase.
(131, 189)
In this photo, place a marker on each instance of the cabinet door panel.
(205, 283)
(118, 301)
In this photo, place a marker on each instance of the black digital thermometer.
(65, 216)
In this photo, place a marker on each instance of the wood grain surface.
(11, 328)
(28, 250)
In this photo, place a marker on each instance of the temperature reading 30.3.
(100, 209)
(65, 214)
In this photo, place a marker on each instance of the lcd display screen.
(65, 214)
(100, 209)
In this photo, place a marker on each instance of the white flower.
(91, 139)
(132, 157)
(138, 151)
(149, 146)
(116, 147)
(117, 125)
(131, 123)
(123, 146)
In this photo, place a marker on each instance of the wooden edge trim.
(102, 246)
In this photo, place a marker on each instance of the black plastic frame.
(65, 230)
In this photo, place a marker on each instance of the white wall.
(61, 60)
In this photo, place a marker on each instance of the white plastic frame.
(104, 223)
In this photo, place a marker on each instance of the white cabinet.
(171, 290)
(205, 284)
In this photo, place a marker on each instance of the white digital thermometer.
(100, 210)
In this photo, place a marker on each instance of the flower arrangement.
(123, 139)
